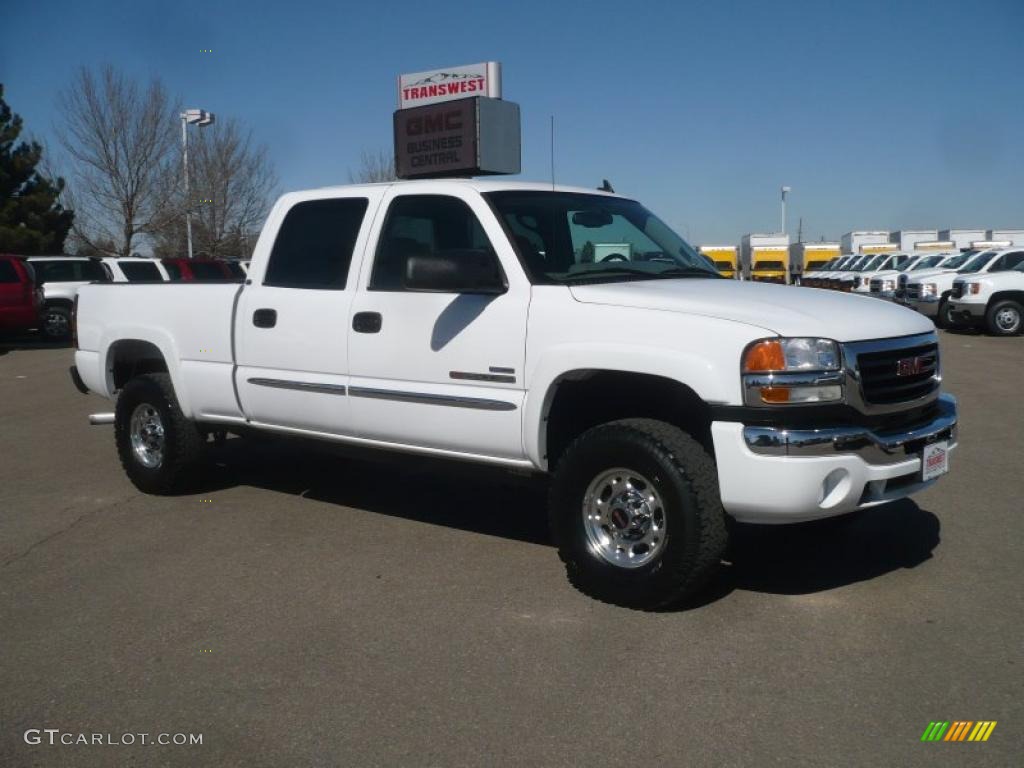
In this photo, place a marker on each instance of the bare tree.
(232, 183)
(373, 167)
(121, 139)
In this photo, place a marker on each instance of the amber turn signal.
(764, 356)
(775, 394)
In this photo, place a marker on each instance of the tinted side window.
(8, 274)
(423, 225)
(139, 270)
(1011, 260)
(314, 247)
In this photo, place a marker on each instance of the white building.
(908, 238)
(851, 242)
(1015, 236)
(962, 238)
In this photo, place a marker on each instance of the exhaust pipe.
(101, 418)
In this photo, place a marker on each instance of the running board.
(101, 418)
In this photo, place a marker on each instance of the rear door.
(293, 316)
(432, 369)
(12, 289)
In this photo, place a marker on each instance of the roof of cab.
(480, 185)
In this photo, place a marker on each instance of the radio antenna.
(552, 153)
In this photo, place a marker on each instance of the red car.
(197, 270)
(20, 298)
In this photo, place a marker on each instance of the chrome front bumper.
(873, 447)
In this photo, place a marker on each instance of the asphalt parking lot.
(310, 610)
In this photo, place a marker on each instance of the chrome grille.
(876, 286)
(900, 374)
(914, 291)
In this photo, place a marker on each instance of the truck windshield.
(957, 261)
(869, 264)
(566, 237)
(976, 264)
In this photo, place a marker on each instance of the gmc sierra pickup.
(473, 320)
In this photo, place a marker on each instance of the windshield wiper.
(606, 271)
(686, 272)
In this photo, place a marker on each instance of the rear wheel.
(636, 514)
(56, 323)
(157, 445)
(1005, 318)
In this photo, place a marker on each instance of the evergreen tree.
(32, 222)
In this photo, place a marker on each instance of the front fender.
(714, 379)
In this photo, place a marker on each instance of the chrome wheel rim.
(1008, 319)
(56, 324)
(146, 431)
(624, 518)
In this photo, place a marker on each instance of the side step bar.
(101, 418)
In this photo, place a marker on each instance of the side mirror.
(455, 271)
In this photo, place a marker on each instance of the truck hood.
(927, 274)
(784, 309)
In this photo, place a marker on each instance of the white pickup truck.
(929, 291)
(466, 319)
(995, 299)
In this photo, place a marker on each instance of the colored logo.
(959, 730)
(910, 366)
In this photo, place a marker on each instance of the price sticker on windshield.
(935, 460)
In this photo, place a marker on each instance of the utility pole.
(800, 231)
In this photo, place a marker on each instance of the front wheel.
(636, 514)
(944, 318)
(1005, 318)
(158, 446)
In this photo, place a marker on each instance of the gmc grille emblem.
(910, 366)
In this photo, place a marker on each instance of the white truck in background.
(457, 318)
(994, 300)
(929, 291)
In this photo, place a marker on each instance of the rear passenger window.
(421, 225)
(8, 274)
(137, 271)
(314, 247)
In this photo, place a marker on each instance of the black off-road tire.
(686, 479)
(1000, 329)
(183, 443)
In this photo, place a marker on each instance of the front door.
(293, 319)
(439, 370)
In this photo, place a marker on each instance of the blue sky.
(880, 115)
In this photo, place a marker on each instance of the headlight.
(780, 355)
(792, 371)
(888, 285)
(928, 289)
(974, 287)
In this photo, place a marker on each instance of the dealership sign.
(477, 136)
(421, 88)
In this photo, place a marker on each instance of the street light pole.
(784, 191)
(188, 200)
(201, 118)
